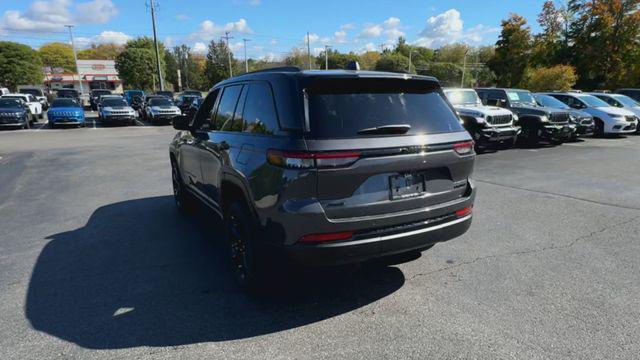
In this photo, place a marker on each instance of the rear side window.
(227, 106)
(343, 108)
(259, 110)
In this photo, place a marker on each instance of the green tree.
(335, 59)
(392, 62)
(58, 55)
(511, 58)
(548, 45)
(453, 53)
(171, 65)
(368, 60)
(136, 64)
(297, 57)
(100, 52)
(217, 68)
(554, 78)
(19, 64)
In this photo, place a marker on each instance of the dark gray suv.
(326, 167)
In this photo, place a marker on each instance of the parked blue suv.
(65, 111)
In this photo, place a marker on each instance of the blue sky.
(273, 27)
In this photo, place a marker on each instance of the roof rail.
(277, 69)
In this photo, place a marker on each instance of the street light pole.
(326, 57)
(155, 43)
(75, 56)
(246, 61)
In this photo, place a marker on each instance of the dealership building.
(94, 74)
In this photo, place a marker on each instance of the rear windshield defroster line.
(340, 108)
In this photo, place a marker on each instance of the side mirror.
(181, 122)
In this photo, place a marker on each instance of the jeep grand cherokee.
(326, 167)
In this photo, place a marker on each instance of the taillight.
(463, 148)
(464, 212)
(308, 160)
(316, 238)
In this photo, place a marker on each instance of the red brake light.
(307, 160)
(463, 148)
(315, 238)
(464, 212)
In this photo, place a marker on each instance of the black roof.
(292, 71)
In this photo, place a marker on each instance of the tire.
(599, 131)
(180, 194)
(240, 235)
(531, 134)
(52, 125)
(41, 116)
(27, 125)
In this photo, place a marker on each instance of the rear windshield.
(343, 108)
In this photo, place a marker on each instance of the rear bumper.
(373, 236)
(326, 254)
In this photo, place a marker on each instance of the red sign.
(98, 67)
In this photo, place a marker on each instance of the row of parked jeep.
(504, 116)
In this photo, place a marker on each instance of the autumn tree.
(100, 52)
(548, 44)
(604, 37)
(554, 78)
(511, 58)
(58, 55)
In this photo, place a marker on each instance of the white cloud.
(448, 27)
(182, 17)
(96, 11)
(105, 37)
(52, 15)
(392, 22)
(393, 33)
(371, 31)
(313, 37)
(209, 30)
(347, 27)
(273, 42)
(199, 48)
(340, 37)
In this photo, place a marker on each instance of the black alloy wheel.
(238, 228)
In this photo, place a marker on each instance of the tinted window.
(9, 103)
(340, 108)
(625, 100)
(64, 103)
(259, 110)
(227, 106)
(592, 101)
(550, 101)
(34, 92)
(204, 118)
(160, 102)
(114, 102)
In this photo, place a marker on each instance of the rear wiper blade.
(386, 130)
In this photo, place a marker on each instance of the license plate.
(406, 186)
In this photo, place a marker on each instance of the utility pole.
(309, 50)
(155, 43)
(410, 60)
(464, 68)
(246, 60)
(227, 37)
(75, 56)
(326, 57)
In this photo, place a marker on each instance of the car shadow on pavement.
(139, 274)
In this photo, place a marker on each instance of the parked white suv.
(486, 124)
(35, 107)
(37, 93)
(608, 119)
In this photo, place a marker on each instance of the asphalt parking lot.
(95, 262)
